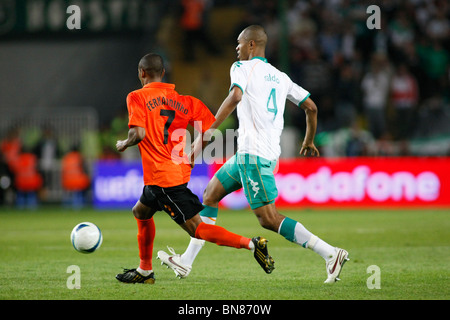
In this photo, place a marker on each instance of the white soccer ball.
(86, 237)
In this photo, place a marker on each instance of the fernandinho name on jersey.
(158, 101)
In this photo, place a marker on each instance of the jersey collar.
(160, 85)
(260, 58)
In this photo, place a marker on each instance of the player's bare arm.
(310, 109)
(226, 108)
(135, 135)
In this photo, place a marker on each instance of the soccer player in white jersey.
(259, 91)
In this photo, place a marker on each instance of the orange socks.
(145, 237)
(221, 236)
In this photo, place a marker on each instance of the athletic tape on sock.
(312, 242)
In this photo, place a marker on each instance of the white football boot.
(173, 262)
(334, 265)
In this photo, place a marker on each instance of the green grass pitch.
(411, 248)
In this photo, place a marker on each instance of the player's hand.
(121, 145)
(309, 148)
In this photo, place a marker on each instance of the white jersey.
(260, 112)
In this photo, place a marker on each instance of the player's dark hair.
(152, 64)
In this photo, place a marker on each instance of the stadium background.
(383, 94)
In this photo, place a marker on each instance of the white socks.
(192, 251)
(321, 247)
(295, 232)
(195, 245)
(144, 273)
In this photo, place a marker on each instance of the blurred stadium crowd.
(379, 92)
(376, 90)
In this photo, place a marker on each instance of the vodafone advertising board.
(406, 181)
(305, 182)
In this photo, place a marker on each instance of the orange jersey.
(165, 115)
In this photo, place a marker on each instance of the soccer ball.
(86, 237)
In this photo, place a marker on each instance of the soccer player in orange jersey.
(154, 113)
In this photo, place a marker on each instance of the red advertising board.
(386, 182)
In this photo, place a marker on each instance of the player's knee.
(141, 213)
(136, 212)
(208, 198)
(214, 192)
